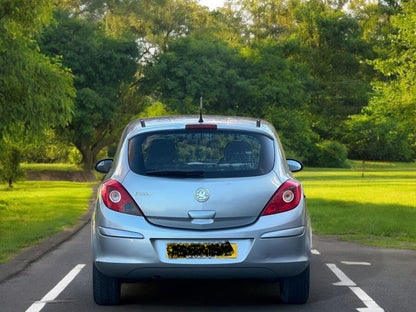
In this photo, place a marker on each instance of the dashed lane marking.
(343, 279)
(371, 305)
(54, 292)
(355, 263)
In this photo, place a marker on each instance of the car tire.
(295, 289)
(106, 289)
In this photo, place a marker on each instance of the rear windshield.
(201, 153)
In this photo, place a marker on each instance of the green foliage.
(154, 110)
(272, 81)
(293, 126)
(35, 89)
(74, 156)
(305, 65)
(386, 127)
(152, 24)
(255, 81)
(25, 17)
(195, 66)
(269, 20)
(331, 46)
(331, 154)
(101, 66)
(46, 147)
(374, 136)
(10, 170)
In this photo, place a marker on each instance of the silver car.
(200, 198)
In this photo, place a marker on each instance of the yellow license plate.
(224, 250)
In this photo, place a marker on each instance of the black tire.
(106, 289)
(295, 289)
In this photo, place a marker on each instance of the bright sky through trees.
(212, 4)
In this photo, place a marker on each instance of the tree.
(372, 136)
(36, 91)
(10, 170)
(331, 46)
(153, 24)
(391, 113)
(254, 81)
(195, 66)
(272, 80)
(103, 67)
(271, 20)
(156, 109)
(318, 64)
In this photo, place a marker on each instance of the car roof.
(179, 122)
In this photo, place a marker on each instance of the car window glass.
(201, 153)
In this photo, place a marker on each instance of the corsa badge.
(202, 194)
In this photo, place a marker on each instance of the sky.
(212, 4)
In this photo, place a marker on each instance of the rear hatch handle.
(201, 214)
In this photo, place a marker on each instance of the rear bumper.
(211, 272)
(270, 256)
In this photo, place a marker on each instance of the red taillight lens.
(116, 198)
(286, 198)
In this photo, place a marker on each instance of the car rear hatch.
(202, 204)
(201, 177)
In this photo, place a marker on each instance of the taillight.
(286, 198)
(201, 126)
(116, 198)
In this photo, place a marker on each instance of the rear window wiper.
(177, 173)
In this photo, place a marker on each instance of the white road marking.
(54, 292)
(355, 263)
(343, 279)
(371, 305)
(315, 252)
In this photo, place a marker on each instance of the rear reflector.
(201, 126)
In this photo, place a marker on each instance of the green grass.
(377, 208)
(52, 167)
(33, 210)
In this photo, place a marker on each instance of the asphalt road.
(344, 277)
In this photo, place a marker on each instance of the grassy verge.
(375, 207)
(33, 210)
(53, 167)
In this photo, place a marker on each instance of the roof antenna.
(200, 110)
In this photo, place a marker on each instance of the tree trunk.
(362, 168)
(88, 159)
